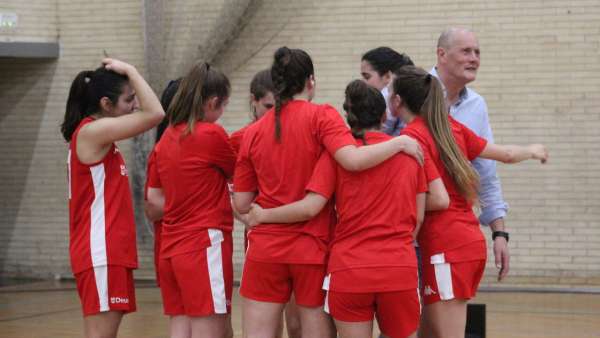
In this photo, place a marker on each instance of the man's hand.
(501, 254)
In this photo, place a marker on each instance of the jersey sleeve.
(324, 176)
(244, 178)
(422, 180)
(429, 168)
(152, 177)
(221, 153)
(474, 143)
(431, 171)
(236, 140)
(331, 130)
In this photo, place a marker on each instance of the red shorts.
(106, 288)
(445, 281)
(199, 283)
(157, 234)
(397, 312)
(274, 282)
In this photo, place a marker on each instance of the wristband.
(501, 234)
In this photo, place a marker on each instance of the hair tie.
(428, 78)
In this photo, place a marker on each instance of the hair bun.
(283, 56)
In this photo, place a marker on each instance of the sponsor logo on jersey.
(123, 170)
(119, 300)
(429, 291)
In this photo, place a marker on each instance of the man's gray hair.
(445, 39)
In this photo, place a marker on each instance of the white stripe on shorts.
(443, 276)
(101, 276)
(326, 288)
(214, 258)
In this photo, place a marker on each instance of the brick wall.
(34, 216)
(540, 74)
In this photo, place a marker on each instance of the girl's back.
(456, 226)
(279, 171)
(376, 208)
(193, 171)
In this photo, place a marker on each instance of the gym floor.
(51, 309)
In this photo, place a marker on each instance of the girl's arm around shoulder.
(353, 158)
(295, 212)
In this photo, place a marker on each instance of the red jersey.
(192, 170)
(236, 139)
(457, 226)
(279, 173)
(152, 180)
(377, 212)
(101, 221)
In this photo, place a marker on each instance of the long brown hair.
(200, 84)
(423, 95)
(290, 70)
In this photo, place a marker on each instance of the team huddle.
(343, 224)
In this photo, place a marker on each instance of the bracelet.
(501, 234)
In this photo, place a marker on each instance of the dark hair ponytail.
(290, 70)
(365, 107)
(423, 95)
(165, 102)
(385, 59)
(87, 89)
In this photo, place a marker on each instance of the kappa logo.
(429, 291)
(119, 300)
(123, 170)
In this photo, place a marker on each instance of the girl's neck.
(409, 118)
(303, 95)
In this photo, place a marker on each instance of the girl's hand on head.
(539, 152)
(254, 215)
(117, 66)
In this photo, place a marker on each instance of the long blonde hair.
(423, 95)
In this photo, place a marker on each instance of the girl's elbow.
(158, 116)
(444, 202)
(241, 206)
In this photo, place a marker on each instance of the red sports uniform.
(152, 179)
(102, 230)
(372, 264)
(279, 172)
(196, 272)
(454, 250)
(236, 141)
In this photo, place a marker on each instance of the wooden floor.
(52, 310)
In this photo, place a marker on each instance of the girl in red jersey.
(261, 100)
(276, 159)
(193, 162)
(454, 249)
(372, 264)
(101, 109)
(155, 214)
